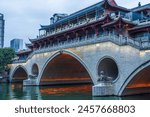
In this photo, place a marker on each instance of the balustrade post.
(86, 32)
(109, 34)
(134, 42)
(78, 39)
(141, 45)
(127, 40)
(114, 38)
(120, 38)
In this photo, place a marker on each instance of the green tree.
(6, 57)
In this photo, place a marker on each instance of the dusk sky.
(23, 17)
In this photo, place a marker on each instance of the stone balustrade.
(76, 42)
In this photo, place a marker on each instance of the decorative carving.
(32, 76)
(104, 78)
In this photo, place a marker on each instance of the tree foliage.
(6, 57)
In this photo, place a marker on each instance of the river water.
(68, 92)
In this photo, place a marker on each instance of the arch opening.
(35, 70)
(64, 69)
(19, 75)
(108, 69)
(139, 84)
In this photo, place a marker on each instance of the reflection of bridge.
(80, 54)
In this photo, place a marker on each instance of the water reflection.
(66, 89)
(68, 92)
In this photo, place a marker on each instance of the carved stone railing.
(76, 42)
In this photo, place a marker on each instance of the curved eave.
(107, 4)
(32, 40)
(29, 45)
(107, 17)
(44, 27)
(140, 28)
(119, 20)
(23, 52)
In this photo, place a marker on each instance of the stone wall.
(127, 59)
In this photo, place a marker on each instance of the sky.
(23, 17)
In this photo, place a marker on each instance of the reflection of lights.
(64, 79)
(24, 64)
(45, 54)
(68, 89)
(142, 54)
(147, 51)
(138, 85)
(12, 86)
(97, 45)
(9, 65)
(16, 86)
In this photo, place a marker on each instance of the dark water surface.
(68, 92)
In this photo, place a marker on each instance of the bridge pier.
(102, 89)
(30, 82)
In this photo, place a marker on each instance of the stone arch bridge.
(115, 66)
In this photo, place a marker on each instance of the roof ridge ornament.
(112, 2)
(139, 4)
(107, 4)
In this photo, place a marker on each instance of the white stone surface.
(127, 58)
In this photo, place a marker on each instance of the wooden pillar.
(49, 31)
(33, 47)
(61, 27)
(142, 14)
(117, 30)
(148, 33)
(65, 36)
(45, 43)
(77, 35)
(86, 33)
(126, 30)
(68, 37)
(97, 13)
(49, 43)
(37, 45)
(96, 31)
(41, 44)
(77, 20)
(86, 16)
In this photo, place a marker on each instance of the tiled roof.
(119, 20)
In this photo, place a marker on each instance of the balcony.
(71, 26)
(80, 23)
(143, 22)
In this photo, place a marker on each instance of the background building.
(1, 30)
(16, 44)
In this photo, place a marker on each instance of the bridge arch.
(65, 64)
(138, 81)
(35, 69)
(19, 74)
(109, 67)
